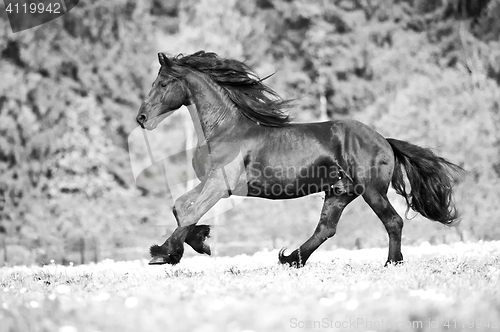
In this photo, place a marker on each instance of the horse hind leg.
(392, 221)
(327, 226)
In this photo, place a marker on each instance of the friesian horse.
(238, 116)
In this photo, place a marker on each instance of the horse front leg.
(197, 235)
(188, 211)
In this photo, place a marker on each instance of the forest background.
(425, 71)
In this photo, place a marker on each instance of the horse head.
(168, 93)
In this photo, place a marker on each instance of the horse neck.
(215, 116)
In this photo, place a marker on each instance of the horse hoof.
(196, 239)
(158, 260)
(393, 263)
(291, 260)
(162, 255)
(281, 256)
(200, 247)
(206, 249)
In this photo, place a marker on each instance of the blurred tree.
(65, 88)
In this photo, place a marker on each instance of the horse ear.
(164, 60)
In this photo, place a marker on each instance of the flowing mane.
(254, 99)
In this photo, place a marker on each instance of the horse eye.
(163, 84)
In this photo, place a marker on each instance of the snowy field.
(439, 288)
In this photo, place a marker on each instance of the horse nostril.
(141, 118)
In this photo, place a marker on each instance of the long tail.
(431, 179)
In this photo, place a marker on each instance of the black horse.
(237, 115)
